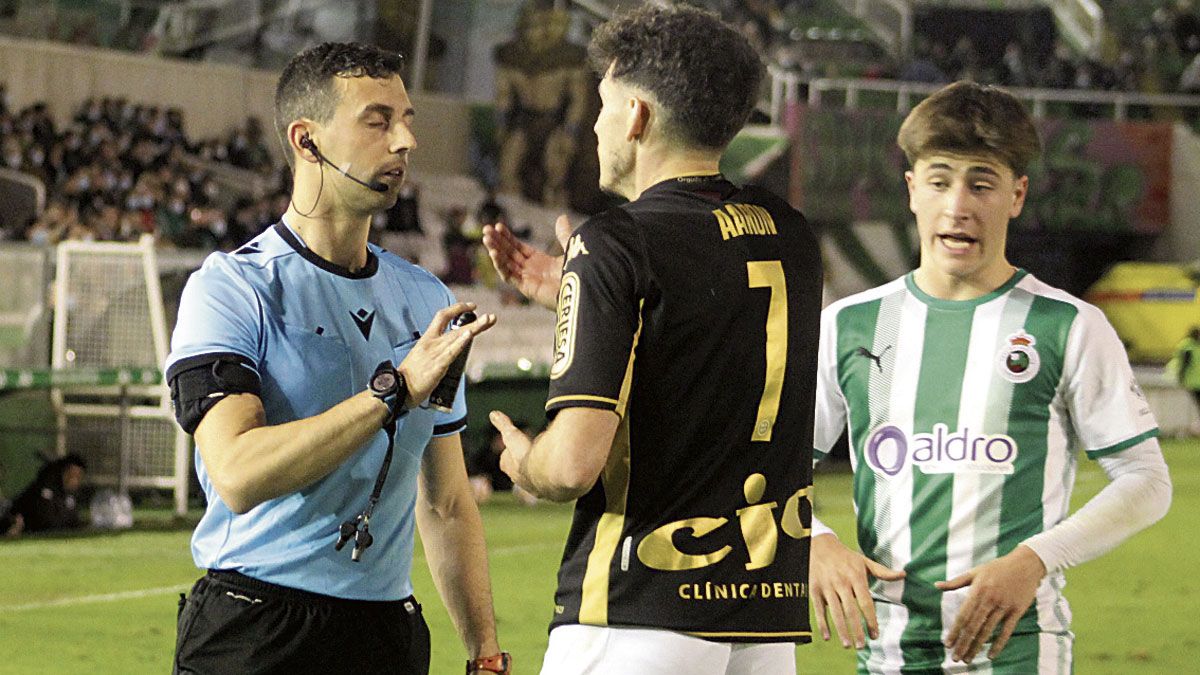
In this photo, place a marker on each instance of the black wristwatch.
(387, 384)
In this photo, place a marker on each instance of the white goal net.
(109, 316)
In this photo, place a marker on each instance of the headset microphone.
(377, 186)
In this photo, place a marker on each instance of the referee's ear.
(299, 135)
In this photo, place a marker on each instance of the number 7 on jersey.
(769, 274)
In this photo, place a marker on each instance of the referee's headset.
(308, 144)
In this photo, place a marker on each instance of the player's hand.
(426, 364)
(534, 273)
(1001, 592)
(516, 446)
(837, 579)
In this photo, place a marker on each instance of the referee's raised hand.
(425, 365)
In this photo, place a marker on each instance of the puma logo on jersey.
(889, 449)
(863, 351)
(363, 319)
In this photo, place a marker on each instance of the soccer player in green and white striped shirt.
(967, 387)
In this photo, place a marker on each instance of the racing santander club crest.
(1018, 360)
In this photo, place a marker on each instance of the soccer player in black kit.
(682, 386)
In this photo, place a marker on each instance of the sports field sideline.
(103, 603)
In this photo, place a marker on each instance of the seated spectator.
(460, 258)
(11, 524)
(51, 502)
(51, 227)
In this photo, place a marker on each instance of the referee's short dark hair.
(700, 70)
(306, 88)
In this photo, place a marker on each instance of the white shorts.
(605, 650)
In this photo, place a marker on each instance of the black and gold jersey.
(693, 313)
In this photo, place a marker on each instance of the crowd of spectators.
(1151, 64)
(118, 170)
(1158, 52)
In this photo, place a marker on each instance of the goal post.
(109, 314)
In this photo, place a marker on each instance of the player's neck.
(655, 167)
(945, 286)
(339, 238)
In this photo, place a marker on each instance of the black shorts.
(232, 623)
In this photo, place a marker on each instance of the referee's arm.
(452, 533)
(250, 462)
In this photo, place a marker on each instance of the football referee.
(682, 385)
(303, 363)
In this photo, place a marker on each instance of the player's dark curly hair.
(702, 72)
(969, 118)
(306, 88)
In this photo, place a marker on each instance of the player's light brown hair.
(971, 119)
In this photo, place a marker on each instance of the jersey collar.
(714, 187)
(938, 303)
(285, 232)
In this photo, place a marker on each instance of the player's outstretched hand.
(534, 273)
(1001, 592)
(838, 581)
(516, 447)
(425, 365)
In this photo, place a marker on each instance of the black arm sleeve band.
(198, 382)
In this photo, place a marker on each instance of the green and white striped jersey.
(964, 418)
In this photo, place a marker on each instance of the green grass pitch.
(106, 603)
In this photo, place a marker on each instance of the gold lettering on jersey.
(657, 549)
(734, 220)
(575, 247)
(767, 590)
(758, 524)
(759, 531)
(566, 326)
(790, 523)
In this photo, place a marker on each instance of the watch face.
(383, 382)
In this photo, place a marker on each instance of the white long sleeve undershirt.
(1138, 494)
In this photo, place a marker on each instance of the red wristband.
(500, 663)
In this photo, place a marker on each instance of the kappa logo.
(566, 326)
(363, 319)
(576, 248)
(1018, 361)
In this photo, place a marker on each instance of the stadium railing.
(786, 89)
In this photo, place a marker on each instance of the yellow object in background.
(1151, 305)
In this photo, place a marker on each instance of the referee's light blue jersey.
(315, 333)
